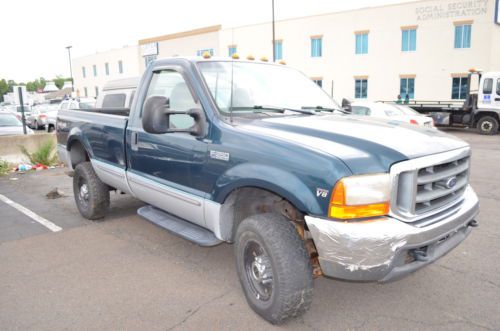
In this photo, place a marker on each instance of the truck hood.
(365, 145)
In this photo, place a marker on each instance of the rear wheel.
(91, 194)
(274, 267)
(487, 125)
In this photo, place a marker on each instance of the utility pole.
(70, 68)
(274, 37)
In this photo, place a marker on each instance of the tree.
(59, 81)
(4, 88)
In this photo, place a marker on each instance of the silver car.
(10, 125)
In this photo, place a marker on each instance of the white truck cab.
(489, 91)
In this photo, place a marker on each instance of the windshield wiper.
(321, 108)
(273, 109)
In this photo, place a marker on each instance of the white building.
(422, 48)
(92, 71)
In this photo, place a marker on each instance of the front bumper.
(381, 249)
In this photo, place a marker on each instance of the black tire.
(487, 125)
(36, 126)
(93, 199)
(290, 291)
(50, 128)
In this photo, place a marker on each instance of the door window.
(488, 86)
(498, 86)
(171, 85)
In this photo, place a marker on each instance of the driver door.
(164, 168)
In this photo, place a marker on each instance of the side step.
(178, 226)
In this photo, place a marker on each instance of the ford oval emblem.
(451, 182)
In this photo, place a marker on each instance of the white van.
(118, 93)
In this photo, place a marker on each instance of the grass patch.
(4, 167)
(43, 155)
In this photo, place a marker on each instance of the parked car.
(11, 125)
(38, 117)
(256, 154)
(394, 112)
(77, 103)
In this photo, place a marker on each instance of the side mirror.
(346, 105)
(156, 117)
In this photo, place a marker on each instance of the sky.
(35, 46)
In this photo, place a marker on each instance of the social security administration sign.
(497, 12)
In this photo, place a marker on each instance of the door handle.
(134, 144)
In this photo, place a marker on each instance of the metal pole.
(70, 68)
(21, 101)
(274, 37)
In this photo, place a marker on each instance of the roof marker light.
(250, 57)
(282, 62)
(264, 59)
(206, 55)
(235, 56)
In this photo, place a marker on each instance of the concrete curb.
(10, 145)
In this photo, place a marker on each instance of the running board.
(178, 226)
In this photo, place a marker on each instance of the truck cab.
(489, 91)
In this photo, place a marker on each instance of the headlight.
(361, 196)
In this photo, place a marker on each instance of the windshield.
(262, 86)
(9, 120)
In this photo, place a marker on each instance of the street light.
(274, 38)
(70, 69)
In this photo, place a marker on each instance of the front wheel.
(487, 125)
(274, 267)
(91, 194)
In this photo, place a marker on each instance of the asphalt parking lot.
(126, 273)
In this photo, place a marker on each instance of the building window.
(200, 52)
(278, 50)
(231, 50)
(361, 88)
(120, 67)
(148, 59)
(407, 88)
(318, 81)
(462, 35)
(362, 43)
(95, 70)
(409, 40)
(96, 91)
(85, 92)
(106, 68)
(84, 72)
(316, 46)
(459, 88)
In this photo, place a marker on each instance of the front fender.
(278, 181)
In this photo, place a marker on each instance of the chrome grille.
(440, 184)
(429, 185)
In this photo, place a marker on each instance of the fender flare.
(266, 177)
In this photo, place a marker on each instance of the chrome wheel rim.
(258, 270)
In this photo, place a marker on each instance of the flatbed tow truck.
(480, 110)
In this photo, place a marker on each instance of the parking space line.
(48, 224)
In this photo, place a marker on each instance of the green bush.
(4, 167)
(43, 155)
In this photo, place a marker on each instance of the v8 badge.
(321, 192)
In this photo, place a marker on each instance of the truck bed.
(102, 134)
